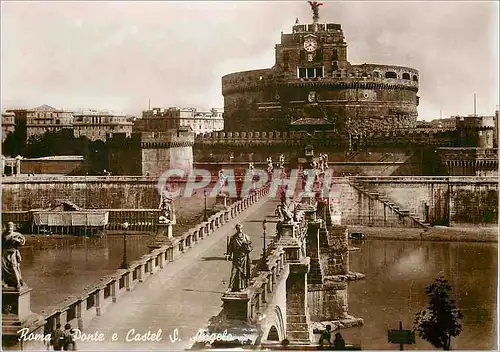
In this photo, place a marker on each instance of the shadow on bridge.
(213, 258)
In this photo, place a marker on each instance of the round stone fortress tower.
(312, 86)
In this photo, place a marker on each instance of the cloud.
(119, 54)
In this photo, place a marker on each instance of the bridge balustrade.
(264, 283)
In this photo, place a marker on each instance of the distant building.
(446, 124)
(101, 125)
(45, 118)
(495, 134)
(8, 124)
(208, 121)
(163, 119)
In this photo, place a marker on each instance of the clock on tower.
(310, 45)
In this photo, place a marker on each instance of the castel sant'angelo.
(313, 85)
(313, 98)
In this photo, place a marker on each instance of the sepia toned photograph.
(249, 175)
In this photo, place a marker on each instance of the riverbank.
(436, 233)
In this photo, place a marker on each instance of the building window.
(311, 72)
(406, 76)
(391, 74)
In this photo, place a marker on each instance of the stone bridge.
(175, 290)
(299, 288)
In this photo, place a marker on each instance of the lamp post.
(124, 262)
(205, 212)
(264, 254)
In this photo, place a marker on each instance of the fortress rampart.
(331, 138)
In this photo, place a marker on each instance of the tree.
(440, 321)
(12, 145)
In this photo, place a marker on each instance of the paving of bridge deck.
(184, 295)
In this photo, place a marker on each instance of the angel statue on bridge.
(11, 258)
(222, 182)
(168, 211)
(251, 168)
(238, 250)
(270, 166)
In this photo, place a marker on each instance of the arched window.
(364, 75)
(391, 74)
(415, 78)
(406, 76)
(376, 74)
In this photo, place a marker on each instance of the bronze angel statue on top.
(315, 8)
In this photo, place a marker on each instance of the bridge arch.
(280, 321)
(273, 334)
(275, 326)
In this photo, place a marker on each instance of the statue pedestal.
(164, 236)
(220, 202)
(287, 230)
(164, 230)
(17, 315)
(237, 305)
(16, 304)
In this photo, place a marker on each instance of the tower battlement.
(438, 138)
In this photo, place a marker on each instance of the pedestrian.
(326, 335)
(339, 343)
(69, 339)
(57, 338)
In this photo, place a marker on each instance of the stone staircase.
(299, 329)
(315, 275)
(415, 219)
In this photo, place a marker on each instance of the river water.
(57, 268)
(397, 273)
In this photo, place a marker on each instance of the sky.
(118, 55)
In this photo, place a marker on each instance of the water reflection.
(397, 273)
(57, 268)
